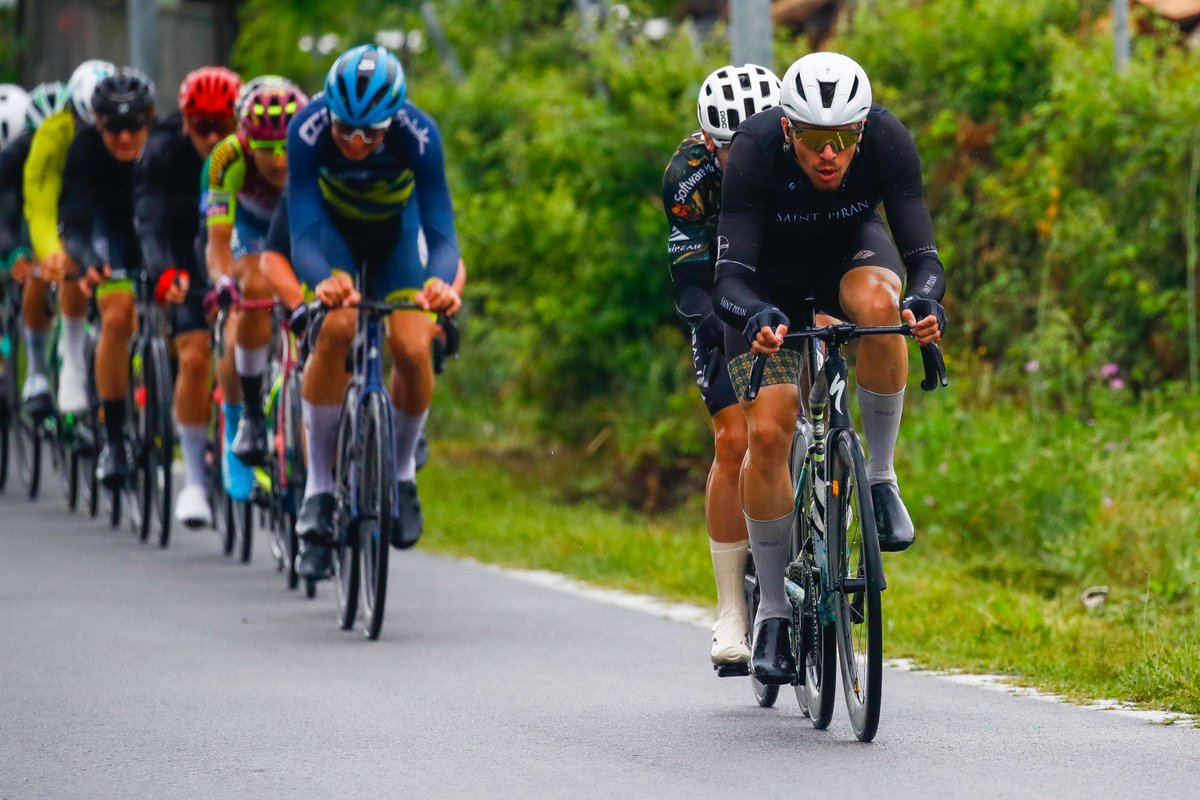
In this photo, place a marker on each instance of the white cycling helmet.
(732, 94)
(46, 100)
(826, 90)
(14, 102)
(82, 86)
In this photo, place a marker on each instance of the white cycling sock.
(35, 348)
(320, 429)
(881, 421)
(769, 544)
(729, 570)
(193, 441)
(70, 346)
(404, 443)
(251, 361)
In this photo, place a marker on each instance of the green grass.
(1016, 516)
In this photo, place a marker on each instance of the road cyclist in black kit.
(692, 202)
(799, 219)
(96, 220)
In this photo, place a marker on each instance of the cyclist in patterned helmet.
(692, 201)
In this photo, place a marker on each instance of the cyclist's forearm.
(926, 278)
(282, 279)
(219, 252)
(733, 297)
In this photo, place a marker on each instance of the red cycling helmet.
(268, 110)
(209, 92)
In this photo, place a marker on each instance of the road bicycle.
(835, 576)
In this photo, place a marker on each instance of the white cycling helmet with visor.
(732, 94)
(82, 86)
(825, 90)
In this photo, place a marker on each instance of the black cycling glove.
(922, 307)
(769, 317)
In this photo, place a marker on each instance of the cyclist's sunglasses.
(207, 126)
(278, 147)
(124, 124)
(369, 134)
(817, 138)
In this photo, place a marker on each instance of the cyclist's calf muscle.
(770, 420)
(192, 386)
(117, 324)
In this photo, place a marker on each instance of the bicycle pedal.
(732, 670)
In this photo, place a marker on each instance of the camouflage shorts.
(782, 367)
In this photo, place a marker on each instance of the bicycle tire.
(288, 520)
(377, 487)
(29, 451)
(764, 694)
(815, 642)
(346, 563)
(11, 395)
(114, 507)
(243, 513)
(858, 571)
(163, 432)
(140, 402)
(73, 483)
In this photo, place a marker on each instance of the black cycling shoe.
(407, 521)
(314, 561)
(112, 467)
(892, 522)
(315, 520)
(250, 443)
(39, 406)
(771, 659)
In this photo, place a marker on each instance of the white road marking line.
(704, 618)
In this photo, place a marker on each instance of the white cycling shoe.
(729, 644)
(191, 507)
(72, 389)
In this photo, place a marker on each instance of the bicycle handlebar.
(843, 333)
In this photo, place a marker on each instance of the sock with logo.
(769, 544)
(881, 422)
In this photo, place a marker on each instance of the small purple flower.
(1110, 371)
(1032, 366)
(1116, 384)
(1106, 501)
(1110, 447)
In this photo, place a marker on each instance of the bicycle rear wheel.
(291, 415)
(376, 493)
(858, 575)
(764, 694)
(346, 562)
(815, 638)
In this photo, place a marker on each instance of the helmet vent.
(800, 88)
(853, 89)
(827, 90)
(727, 90)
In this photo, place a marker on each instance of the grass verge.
(1017, 516)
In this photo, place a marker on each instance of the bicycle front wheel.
(858, 578)
(816, 641)
(346, 562)
(376, 492)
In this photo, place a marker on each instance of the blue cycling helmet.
(365, 86)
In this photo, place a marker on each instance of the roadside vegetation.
(1064, 457)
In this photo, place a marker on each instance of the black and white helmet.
(825, 90)
(14, 102)
(731, 94)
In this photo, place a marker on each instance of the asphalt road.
(128, 671)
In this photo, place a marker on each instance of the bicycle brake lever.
(756, 376)
(935, 367)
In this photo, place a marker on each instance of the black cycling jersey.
(692, 201)
(95, 211)
(166, 200)
(12, 196)
(777, 230)
(279, 239)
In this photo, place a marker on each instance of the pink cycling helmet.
(268, 110)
